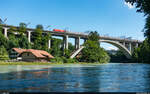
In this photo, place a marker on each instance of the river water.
(112, 77)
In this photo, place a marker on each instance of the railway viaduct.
(126, 45)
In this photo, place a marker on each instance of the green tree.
(12, 30)
(22, 28)
(44, 42)
(141, 54)
(37, 37)
(94, 36)
(92, 51)
(3, 53)
(3, 40)
(23, 42)
(12, 43)
(57, 49)
(143, 6)
(67, 53)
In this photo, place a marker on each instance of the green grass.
(40, 63)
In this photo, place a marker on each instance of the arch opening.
(125, 51)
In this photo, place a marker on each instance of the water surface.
(116, 77)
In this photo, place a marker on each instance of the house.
(32, 55)
(14, 53)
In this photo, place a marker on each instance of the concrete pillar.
(76, 47)
(137, 45)
(49, 43)
(124, 43)
(5, 32)
(65, 40)
(77, 42)
(130, 47)
(29, 36)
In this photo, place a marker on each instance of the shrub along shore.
(43, 63)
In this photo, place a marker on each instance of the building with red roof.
(32, 55)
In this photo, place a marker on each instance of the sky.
(108, 17)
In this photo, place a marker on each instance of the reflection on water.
(100, 78)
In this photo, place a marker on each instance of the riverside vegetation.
(92, 53)
(142, 53)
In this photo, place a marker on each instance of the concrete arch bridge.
(126, 48)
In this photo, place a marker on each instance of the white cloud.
(129, 5)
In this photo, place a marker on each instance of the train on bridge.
(58, 30)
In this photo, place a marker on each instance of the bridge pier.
(123, 43)
(5, 32)
(77, 43)
(49, 43)
(29, 36)
(130, 47)
(137, 45)
(65, 42)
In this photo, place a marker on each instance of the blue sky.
(108, 17)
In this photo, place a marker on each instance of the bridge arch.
(126, 52)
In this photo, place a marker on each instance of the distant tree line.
(118, 57)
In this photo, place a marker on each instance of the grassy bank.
(40, 63)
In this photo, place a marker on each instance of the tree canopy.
(141, 54)
(92, 51)
(143, 6)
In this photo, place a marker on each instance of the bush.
(3, 53)
(69, 60)
(57, 60)
(63, 60)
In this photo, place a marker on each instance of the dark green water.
(78, 78)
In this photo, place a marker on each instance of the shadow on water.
(99, 78)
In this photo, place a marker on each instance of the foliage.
(147, 28)
(94, 36)
(92, 51)
(141, 54)
(67, 53)
(57, 60)
(19, 41)
(57, 49)
(3, 53)
(12, 30)
(40, 41)
(23, 42)
(63, 60)
(12, 42)
(3, 40)
(143, 6)
(44, 43)
(69, 60)
(37, 37)
(119, 57)
(22, 28)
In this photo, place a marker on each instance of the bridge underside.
(126, 52)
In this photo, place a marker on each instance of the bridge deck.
(82, 35)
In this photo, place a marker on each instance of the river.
(112, 77)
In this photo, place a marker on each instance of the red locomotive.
(58, 30)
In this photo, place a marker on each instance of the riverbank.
(42, 63)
